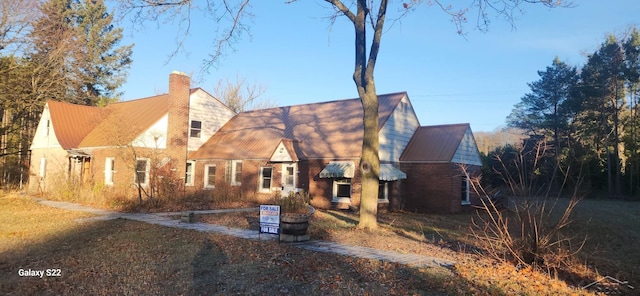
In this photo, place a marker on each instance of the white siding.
(155, 136)
(211, 112)
(281, 154)
(467, 152)
(397, 131)
(45, 137)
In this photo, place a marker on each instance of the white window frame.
(385, 191)
(336, 184)
(197, 130)
(43, 167)
(146, 172)
(464, 200)
(285, 174)
(207, 169)
(234, 181)
(47, 127)
(263, 177)
(109, 172)
(189, 173)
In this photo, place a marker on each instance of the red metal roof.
(437, 143)
(321, 130)
(79, 126)
(126, 121)
(71, 122)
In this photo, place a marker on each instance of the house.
(439, 162)
(316, 148)
(117, 146)
(313, 147)
(190, 137)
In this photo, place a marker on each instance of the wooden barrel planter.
(293, 226)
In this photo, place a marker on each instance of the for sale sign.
(270, 219)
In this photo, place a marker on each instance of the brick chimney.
(178, 127)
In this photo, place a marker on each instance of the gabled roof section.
(322, 130)
(126, 120)
(72, 122)
(79, 126)
(437, 143)
(285, 152)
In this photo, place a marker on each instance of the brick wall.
(178, 125)
(308, 178)
(433, 188)
(322, 188)
(427, 187)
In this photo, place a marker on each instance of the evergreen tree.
(54, 41)
(101, 62)
(547, 108)
(19, 115)
(632, 76)
(603, 102)
(76, 49)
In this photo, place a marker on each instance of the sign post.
(270, 219)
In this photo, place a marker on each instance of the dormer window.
(195, 129)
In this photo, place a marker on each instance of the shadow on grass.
(107, 257)
(126, 257)
(206, 270)
(342, 217)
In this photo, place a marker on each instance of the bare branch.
(235, 13)
(15, 23)
(343, 9)
(241, 96)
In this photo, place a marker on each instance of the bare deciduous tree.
(15, 23)
(239, 95)
(368, 19)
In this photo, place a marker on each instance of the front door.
(288, 178)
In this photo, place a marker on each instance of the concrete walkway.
(165, 219)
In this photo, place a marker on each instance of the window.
(46, 132)
(289, 176)
(236, 172)
(196, 129)
(142, 172)
(109, 170)
(464, 190)
(383, 191)
(342, 190)
(188, 175)
(266, 174)
(210, 176)
(43, 167)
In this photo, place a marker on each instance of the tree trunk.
(370, 163)
(363, 78)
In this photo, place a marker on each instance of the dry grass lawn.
(122, 257)
(126, 257)
(610, 226)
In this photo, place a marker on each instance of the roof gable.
(126, 121)
(440, 143)
(467, 152)
(285, 152)
(72, 122)
(322, 130)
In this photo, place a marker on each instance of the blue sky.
(300, 59)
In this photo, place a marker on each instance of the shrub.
(532, 232)
(294, 202)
